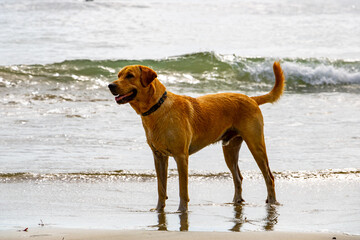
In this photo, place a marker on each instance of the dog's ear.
(147, 75)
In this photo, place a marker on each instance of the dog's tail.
(277, 90)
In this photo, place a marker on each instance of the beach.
(75, 165)
(308, 203)
(74, 234)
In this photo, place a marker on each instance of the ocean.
(71, 157)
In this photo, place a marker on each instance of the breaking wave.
(150, 175)
(200, 72)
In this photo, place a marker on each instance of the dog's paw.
(239, 202)
(272, 202)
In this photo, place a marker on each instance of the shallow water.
(55, 136)
(71, 157)
(312, 204)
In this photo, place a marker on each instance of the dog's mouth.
(121, 99)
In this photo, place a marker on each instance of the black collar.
(156, 106)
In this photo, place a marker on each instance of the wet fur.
(183, 125)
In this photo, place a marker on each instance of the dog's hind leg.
(161, 167)
(256, 144)
(231, 155)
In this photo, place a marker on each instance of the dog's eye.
(129, 75)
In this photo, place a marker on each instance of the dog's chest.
(158, 143)
(163, 139)
(156, 138)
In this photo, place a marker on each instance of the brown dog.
(179, 126)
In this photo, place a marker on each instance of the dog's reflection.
(162, 223)
(271, 218)
(239, 219)
(184, 221)
(269, 221)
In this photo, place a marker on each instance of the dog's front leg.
(161, 166)
(182, 165)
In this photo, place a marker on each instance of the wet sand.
(307, 205)
(76, 234)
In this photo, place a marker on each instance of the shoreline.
(97, 234)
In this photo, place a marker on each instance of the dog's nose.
(112, 87)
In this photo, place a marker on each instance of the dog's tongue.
(120, 97)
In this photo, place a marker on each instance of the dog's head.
(131, 83)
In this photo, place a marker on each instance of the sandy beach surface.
(91, 234)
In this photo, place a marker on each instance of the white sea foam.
(321, 73)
